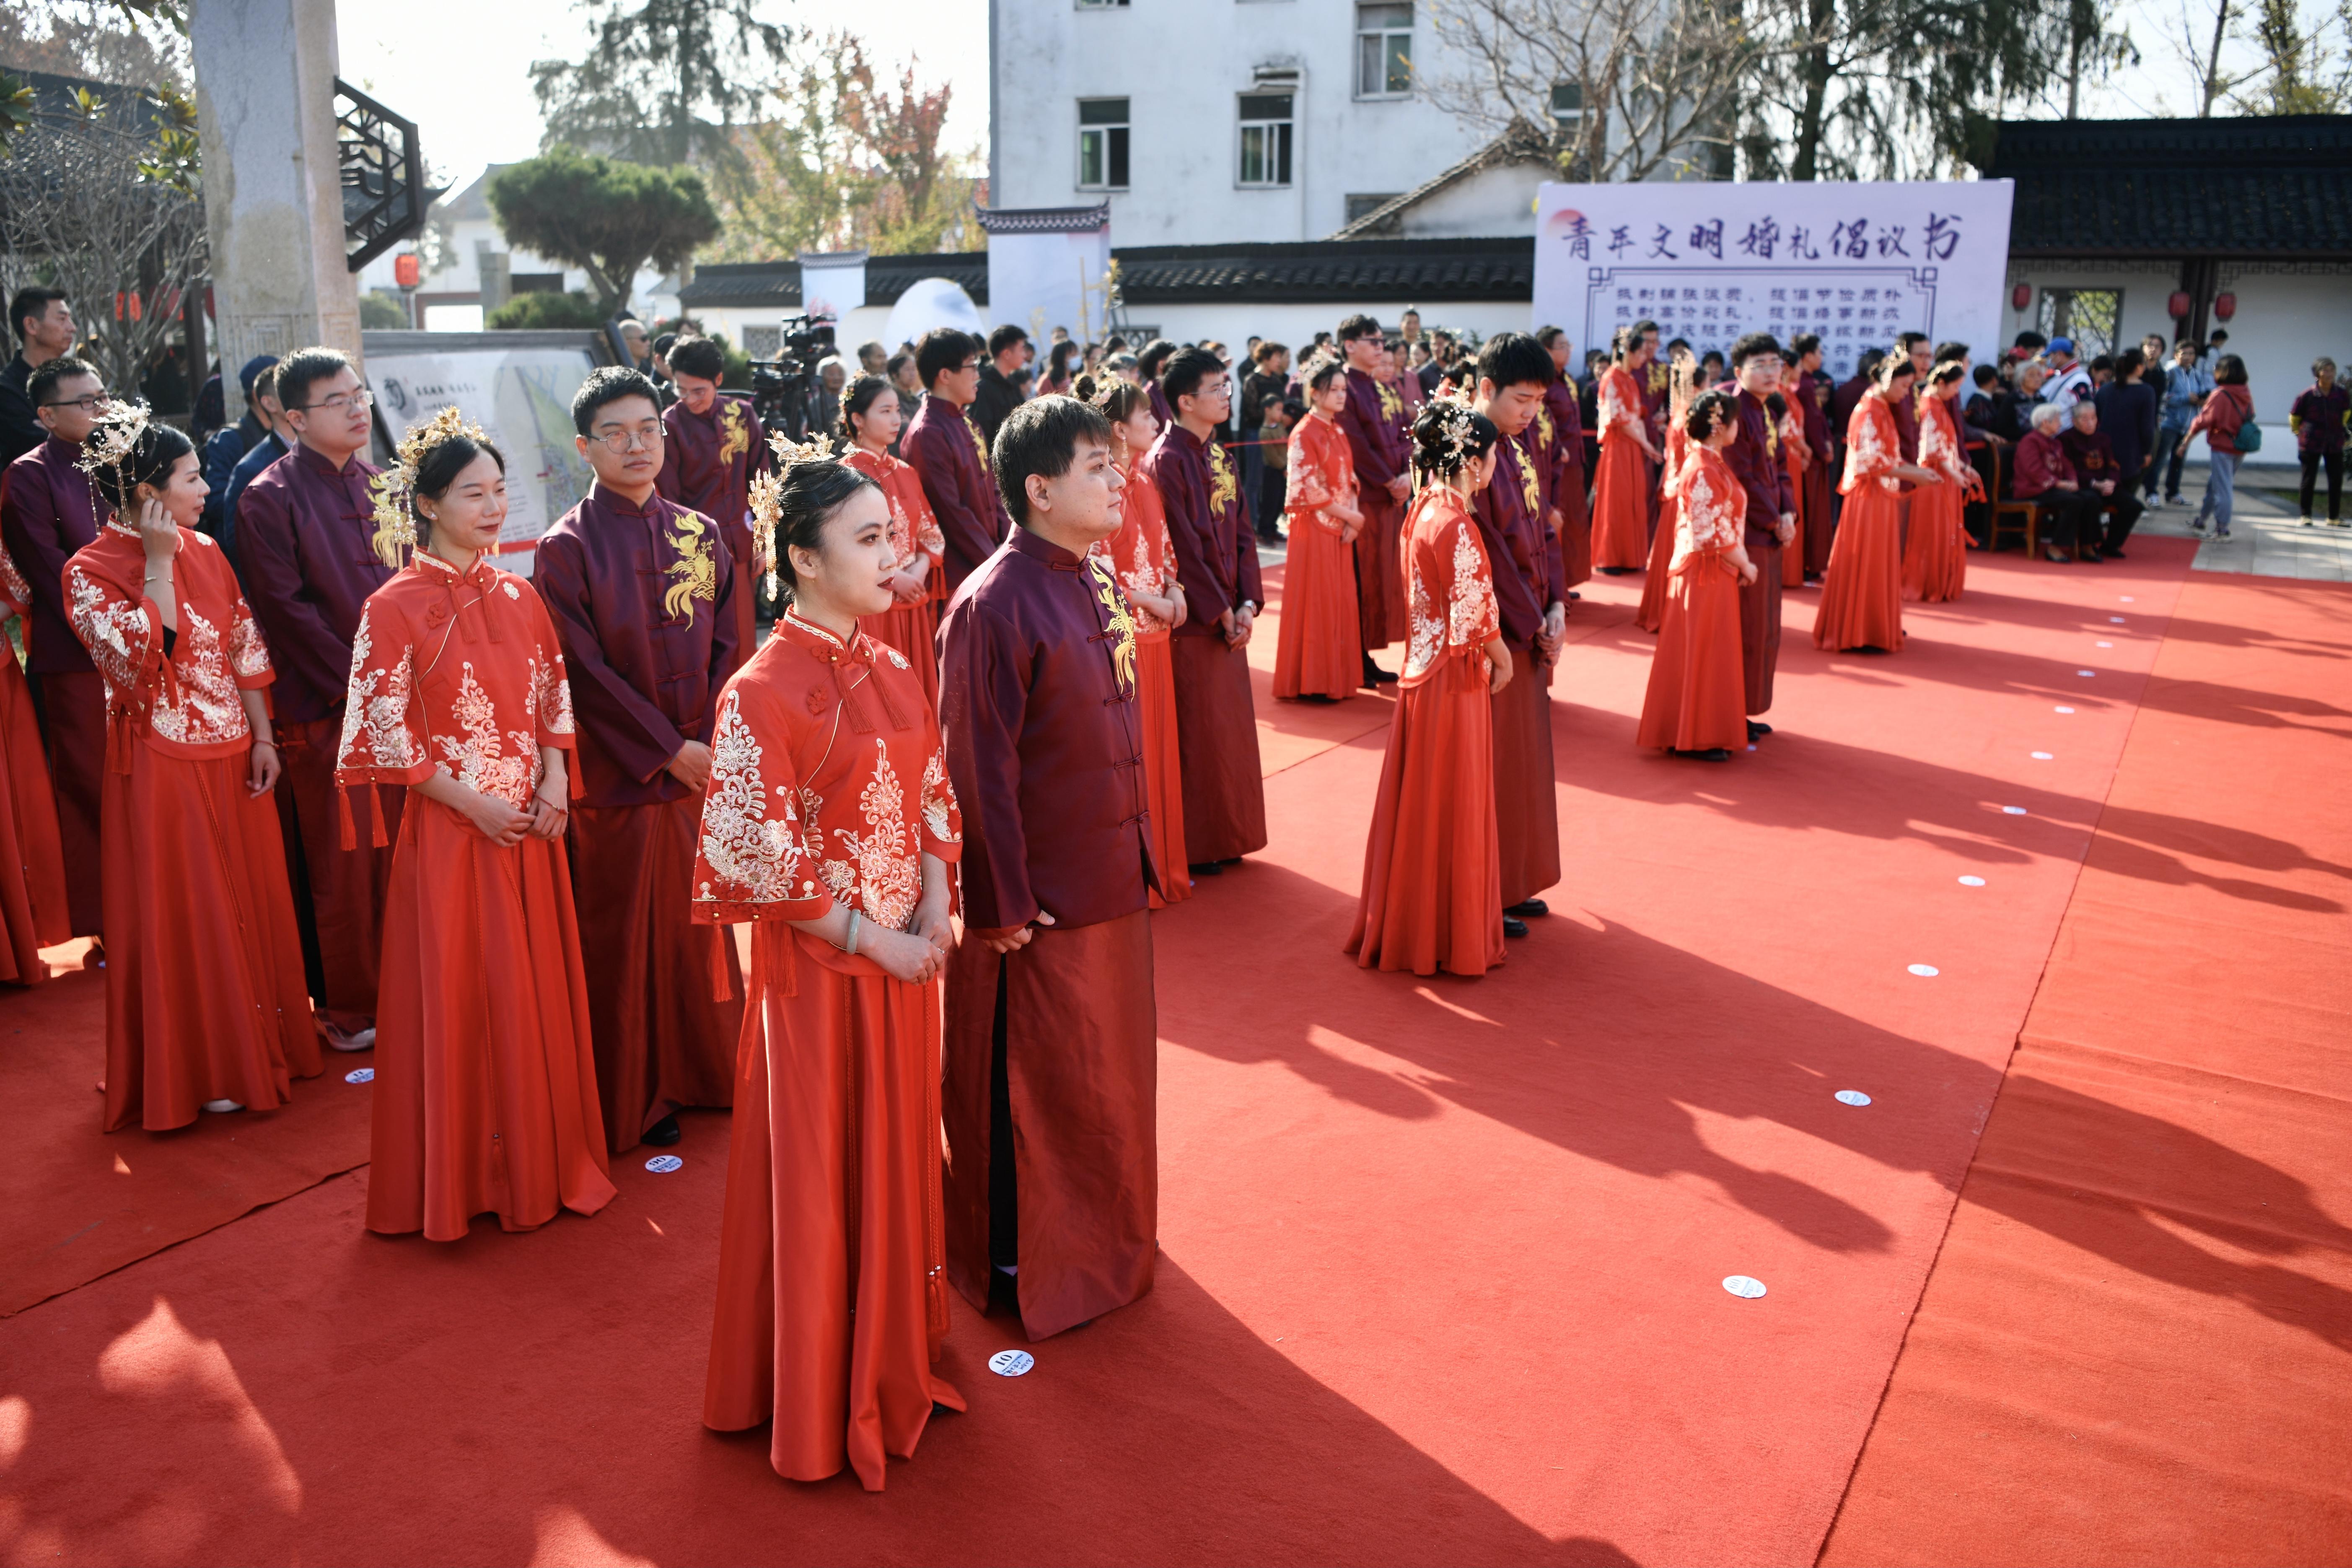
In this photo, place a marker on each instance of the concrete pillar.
(273, 190)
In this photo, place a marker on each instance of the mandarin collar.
(432, 568)
(313, 459)
(820, 641)
(614, 500)
(1043, 551)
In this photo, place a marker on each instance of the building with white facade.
(1212, 122)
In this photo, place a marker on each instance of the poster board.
(1045, 268)
(1854, 264)
(520, 395)
(832, 284)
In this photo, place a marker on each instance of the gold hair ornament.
(767, 494)
(395, 490)
(114, 436)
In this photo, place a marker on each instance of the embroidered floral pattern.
(883, 874)
(1224, 485)
(1939, 446)
(1871, 452)
(941, 819)
(19, 592)
(1427, 632)
(754, 858)
(376, 732)
(548, 703)
(694, 572)
(1713, 508)
(1529, 490)
(481, 761)
(204, 711)
(1620, 404)
(734, 430)
(1117, 622)
(116, 631)
(1470, 613)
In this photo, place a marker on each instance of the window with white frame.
(1102, 143)
(1383, 51)
(1266, 139)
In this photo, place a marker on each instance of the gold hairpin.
(395, 490)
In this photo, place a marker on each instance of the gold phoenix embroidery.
(697, 573)
(734, 434)
(1528, 487)
(1543, 425)
(1391, 405)
(978, 445)
(1223, 487)
(1114, 604)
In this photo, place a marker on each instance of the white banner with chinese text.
(1853, 264)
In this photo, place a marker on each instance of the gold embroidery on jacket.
(1121, 624)
(697, 573)
(734, 431)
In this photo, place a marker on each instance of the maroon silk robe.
(47, 512)
(709, 461)
(1529, 575)
(306, 533)
(1380, 456)
(1820, 482)
(644, 600)
(1057, 1038)
(1564, 479)
(1216, 721)
(1755, 461)
(945, 448)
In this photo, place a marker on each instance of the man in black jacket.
(1008, 350)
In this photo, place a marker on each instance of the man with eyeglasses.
(950, 457)
(49, 510)
(305, 536)
(643, 591)
(45, 326)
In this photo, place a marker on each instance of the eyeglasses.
(646, 436)
(89, 404)
(343, 402)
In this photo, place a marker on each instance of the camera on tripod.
(784, 388)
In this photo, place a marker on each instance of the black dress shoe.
(1712, 754)
(1374, 675)
(1318, 698)
(1206, 869)
(1514, 926)
(1757, 729)
(664, 1133)
(1529, 909)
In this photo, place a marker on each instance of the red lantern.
(2020, 297)
(2178, 306)
(2225, 306)
(405, 270)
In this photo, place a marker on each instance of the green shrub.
(547, 312)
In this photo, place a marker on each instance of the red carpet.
(1441, 1262)
(2137, 1343)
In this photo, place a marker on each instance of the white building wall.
(1182, 65)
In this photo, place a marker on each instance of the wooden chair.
(2020, 517)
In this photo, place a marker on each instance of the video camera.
(784, 388)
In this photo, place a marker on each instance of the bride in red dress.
(205, 1008)
(1862, 596)
(1433, 894)
(485, 1075)
(33, 913)
(1935, 557)
(1683, 382)
(1320, 654)
(871, 416)
(830, 825)
(1620, 491)
(1696, 701)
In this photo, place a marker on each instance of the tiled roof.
(1043, 220)
(2275, 187)
(1312, 271)
(1328, 270)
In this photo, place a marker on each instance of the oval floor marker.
(1925, 970)
(2114, 620)
(2063, 708)
(2127, 598)
(360, 1075)
(663, 1164)
(1972, 881)
(1741, 1285)
(2086, 673)
(2106, 645)
(2042, 757)
(2012, 811)
(1011, 1364)
(1851, 1097)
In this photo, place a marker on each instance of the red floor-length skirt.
(832, 1296)
(1697, 697)
(34, 912)
(1652, 614)
(1935, 556)
(1862, 597)
(205, 995)
(484, 1078)
(1620, 505)
(1320, 650)
(910, 629)
(1433, 896)
(1163, 764)
(664, 1041)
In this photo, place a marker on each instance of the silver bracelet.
(849, 945)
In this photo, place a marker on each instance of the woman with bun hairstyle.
(1862, 596)
(485, 1070)
(1697, 702)
(1433, 892)
(1320, 654)
(871, 416)
(1936, 553)
(1682, 382)
(830, 826)
(1143, 559)
(1621, 490)
(206, 1003)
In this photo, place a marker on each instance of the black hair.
(1623, 341)
(1950, 351)
(1041, 437)
(1516, 359)
(265, 385)
(1152, 355)
(1645, 327)
(1432, 452)
(942, 350)
(1548, 336)
(896, 362)
(663, 344)
(2129, 361)
(1675, 343)
(49, 372)
(1804, 343)
(1754, 345)
(609, 384)
(2103, 361)
(2229, 370)
(303, 369)
(1776, 405)
(31, 303)
(1867, 361)
(861, 396)
(1185, 371)
(1294, 410)
(1057, 361)
(806, 499)
(1115, 398)
(1904, 339)
(2029, 339)
(160, 447)
(1943, 371)
(1322, 374)
(1005, 337)
(1892, 368)
(1985, 375)
(1710, 411)
(1358, 326)
(696, 356)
